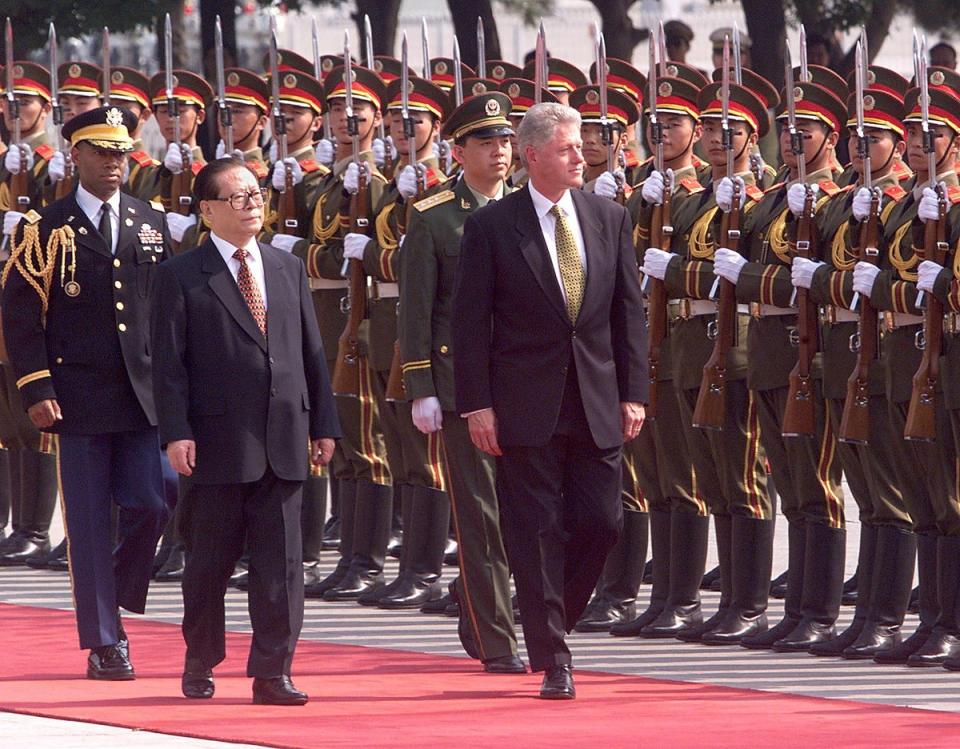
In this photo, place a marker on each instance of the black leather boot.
(372, 596)
(659, 521)
(723, 534)
(5, 501)
(331, 529)
(425, 538)
(312, 514)
(928, 603)
(778, 586)
(822, 589)
(397, 526)
(710, 578)
(944, 642)
(37, 498)
(616, 596)
(347, 500)
(688, 547)
(796, 551)
(851, 589)
(751, 560)
(890, 594)
(371, 533)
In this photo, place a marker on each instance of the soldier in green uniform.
(805, 470)
(623, 112)
(27, 457)
(79, 92)
(480, 132)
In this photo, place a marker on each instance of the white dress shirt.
(92, 206)
(254, 262)
(548, 225)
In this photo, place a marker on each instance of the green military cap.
(563, 76)
(188, 88)
(944, 108)
(242, 86)
(442, 72)
(677, 96)
(389, 68)
(814, 102)
(500, 70)
(622, 76)
(79, 79)
(424, 96)
(744, 106)
(522, 95)
(127, 84)
(300, 89)
(483, 116)
(881, 109)
(31, 79)
(287, 59)
(678, 30)
(687, 73)
(477, 86)
(366, 85)
(881, 79)
(827, 79)
(758, 85)
(621, 107)
(103, 127)
(943, 79)
(718, 35)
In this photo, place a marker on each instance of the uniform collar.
(90, 204)
(543, 205)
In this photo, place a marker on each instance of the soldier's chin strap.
(882, 168)
(816, 156)
(945, 155)
(249, 133)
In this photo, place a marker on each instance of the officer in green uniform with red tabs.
(360, 463)
(26, 456)
(522, 95)
(884, 507)
(414, 457)
(131, 89)
(429, 258)
(194, 95)
(79, 92)
(805, 471)
(936, 523)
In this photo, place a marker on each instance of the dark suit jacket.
(92, 351)
(247, 401)
(512, 340)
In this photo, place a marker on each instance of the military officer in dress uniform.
(76, 314)
(480, 131)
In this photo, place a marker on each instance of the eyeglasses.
(240, 200)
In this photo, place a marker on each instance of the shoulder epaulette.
(630, 159)
(258, 168)
(157, 206)
(692, 185)
(144, 159)
(45, 151)
(311, 165)
(829, 187)
(895, 192)
(195, 167)
(434, 200)
(31, 216)
(754, 192)
(953, 194)
(698, 162)
(435, 177)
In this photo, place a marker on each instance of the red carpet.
(371, 697)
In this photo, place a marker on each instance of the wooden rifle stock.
(921, 425)
(181, 196)
(660, 232)
(346, 372)
(799, 418)
(287, 206)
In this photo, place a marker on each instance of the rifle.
(287, 204)
(181, 199)
(224, 113)
(481, 50)
(855, 422)
(388, 164)
(346, 372)
(661, 231)
(799, 418)
(19, 183)
(64, 186)
(457, 73)
(710, 411)
(606, 124)
(541, 76)
(318, 73)
(921, 414)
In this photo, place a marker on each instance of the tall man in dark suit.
(549, 345)
(242, 391)
(76, 318)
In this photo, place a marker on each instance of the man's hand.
(631, 419)
(321, 451)
(45, 413)
(183, 456)
(483, 431)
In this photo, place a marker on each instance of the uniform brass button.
(444, 349)
(59, 360)
(116, 262)
(119, 305)
(122, 327)
(273, 391)
(117, 285)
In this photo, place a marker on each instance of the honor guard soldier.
(501, 70)
(562, 77)
(622, 76)
(79, 92)
(32, 465)
(623, 112)
(130, 88)
(76, 311)
(480, 131)
(522, 95)
(804, 468)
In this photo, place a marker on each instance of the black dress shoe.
(108, 663)
(806, 634)
(634, 627)
(558, 684)
(57, 557)
(872, 641)
(505, 664)
(317, 589)
(601, 616)
(277, 691)
(412, 594)
(172, 570)
(693, 634)
(372, 596)
(438, 606)
(672, 621)
(778, 586)
(450, 557)
(905, 649)
(765, 640)
(19, 547)
(941, 646)
(197, 681)
(733, 627)
(353, 584)
(331, 534)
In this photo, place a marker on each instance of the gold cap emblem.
(592, 97)
(114, 117)
(74, 71)
(18, 71)
(498, 72)
(664, 89)
(513, 90)
(798, 93)
(116, 76)
(479, 88)
(440, 67)
(233, 79)
(492, 107)
(672, 70)
(871, 77)
(869, 102)
(937, 78)
(378, 65)
(327, 65)
(289, 80)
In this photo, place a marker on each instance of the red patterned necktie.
(251, 292)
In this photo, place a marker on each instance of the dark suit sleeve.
(323, 409)
(628, 326)
(472, 321)
(170, 380)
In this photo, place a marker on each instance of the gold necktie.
(568, 257)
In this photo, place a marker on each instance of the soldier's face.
(367, 118)
(73, 105)
(424, 128)
(818, 140)
(302, 122)
(190, 117)
(943, 142)
(882, 145)
(248, 122)
(484, 159)
(713, 140)
(100, 170)
(33, 111)
(680, 132)
(594, 151)
(559, 163)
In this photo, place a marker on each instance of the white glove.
(173, 160)
(864, 276)
(606, 185)
(407, 182)
(436, 149)
(221, 149)
(929, 208)
(285, 242)
(927, 273)
(57, 168)
(861, 203)
(12, 161)
(273, 153)
(354, 245)
(279, 178)
(728, 264)
(10, 221)
(324, 152)
(178, 225)
(653, 187)
(427, 415)
(446, 157)
(393, 149)
(724, 193)
(351, 178)
(797, 196)
(655, 262)
(379, 152)
(801, 274)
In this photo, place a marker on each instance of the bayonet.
(725, 106)
(353, 127)
(804, 69)
(408, 131)
(796, 137)
(863, 147)
(425, 43)
(539, 79)
(457, 73)
(928, 146)
(662, 44)
(737, 68)
(278, 121)
(656, 129)
(106, 66)
(481, 50)
(318, 71)
(54, 79)
(606, 126)
(173, 104)
(224, 112)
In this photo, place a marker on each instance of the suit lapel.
(222, 284)
(277, 293)
(534, 250)
(85, 233)
(592, 246)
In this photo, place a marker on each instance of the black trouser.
(215, 520)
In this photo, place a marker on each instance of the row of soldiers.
(407, 452)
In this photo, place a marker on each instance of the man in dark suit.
(76, 319)
(549, 346)
(242, 391)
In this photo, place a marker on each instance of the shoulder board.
(434, 200)
(311, 165)
(953, 194)
(143, 158)
(195, 167)
(698, 162)
(895, 192)
(630, 158)
(31, 216)
(829, 187)
(691, 184)
(754, 192)
(774, 187)
(434, 177)
(258, 168)
(45, 151)
(157, 206)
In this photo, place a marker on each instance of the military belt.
(388, 290)
(327, 283)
